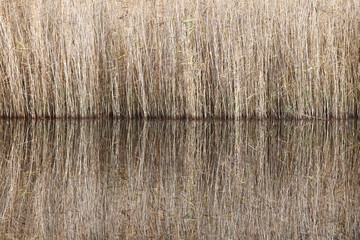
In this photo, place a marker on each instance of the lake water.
(179, 180)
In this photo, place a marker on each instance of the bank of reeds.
(180, 59)
(176, 180)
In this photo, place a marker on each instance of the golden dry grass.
(176, 180)
(180, 58)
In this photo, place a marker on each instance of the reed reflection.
(179, 180)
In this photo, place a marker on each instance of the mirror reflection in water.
(179, 180)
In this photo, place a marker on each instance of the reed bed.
(176, 180)
(180, 59)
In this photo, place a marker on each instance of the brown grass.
(176, 180)
(180, 58)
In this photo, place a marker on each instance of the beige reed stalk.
(180, 59)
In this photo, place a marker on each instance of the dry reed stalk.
(180, 59)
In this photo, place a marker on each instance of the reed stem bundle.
(190, 59)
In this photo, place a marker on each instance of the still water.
(179, 180)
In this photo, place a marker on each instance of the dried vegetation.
(180, 59)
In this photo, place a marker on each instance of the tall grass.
(180, 58)
(176, 180)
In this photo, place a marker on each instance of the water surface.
(179, 180)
